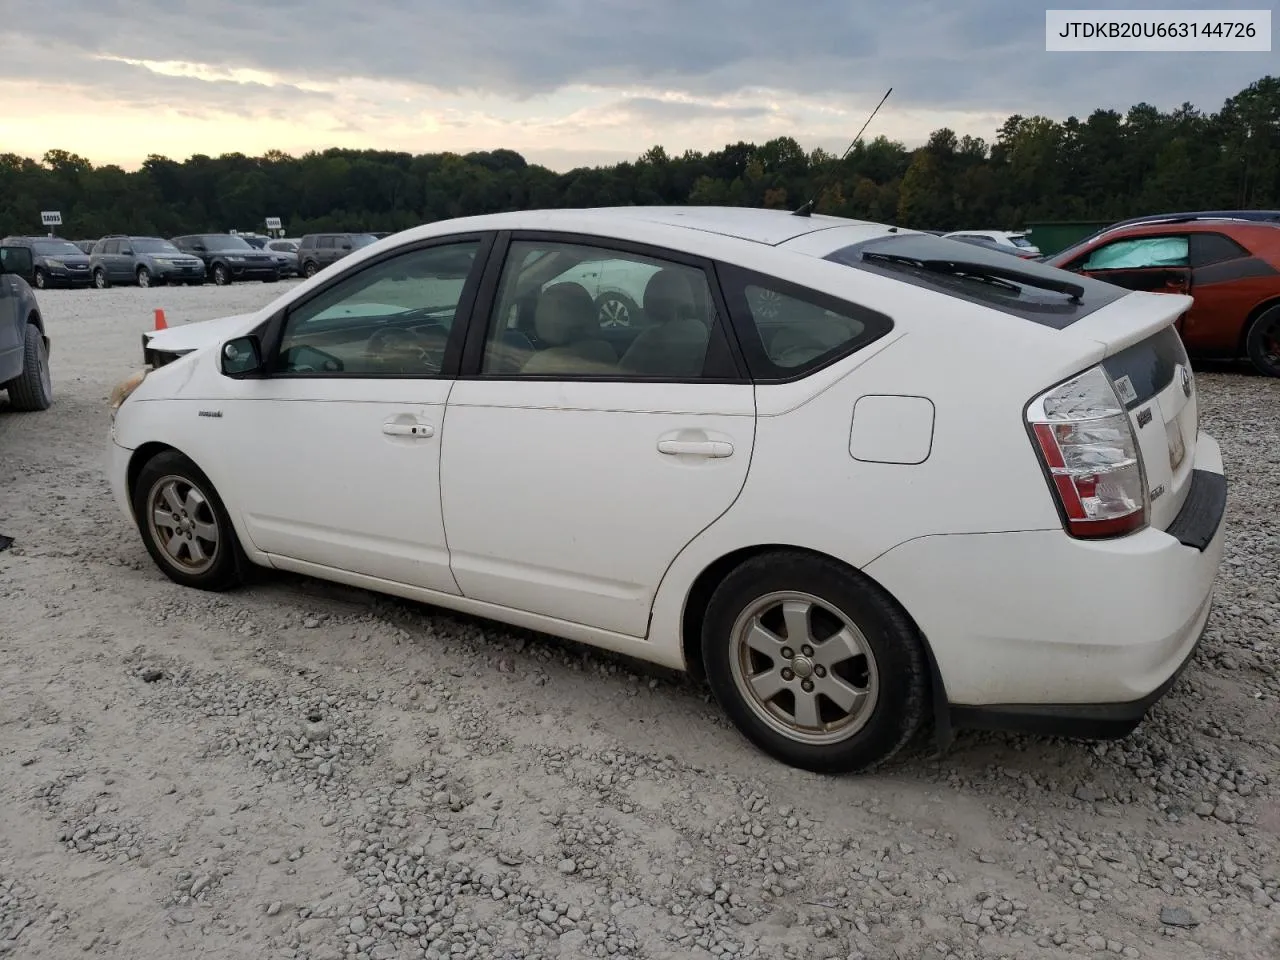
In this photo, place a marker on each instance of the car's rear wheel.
(100, 279)
(42, 279)
(184, 524)
(814, 663)
(144, 277)
(32, 389)
(221, 275)
(1262, 342)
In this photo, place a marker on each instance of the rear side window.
(1141, 253)
(788, 331)
(1207, 248)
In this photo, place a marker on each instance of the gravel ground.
(303, 771)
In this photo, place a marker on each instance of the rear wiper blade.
(962, 268)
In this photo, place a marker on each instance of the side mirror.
(127, 251)
(17, 261)
(346, 245)
(241, 357)
(199, 248)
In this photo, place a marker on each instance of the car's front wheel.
(42, 279)
(814, 663)
(311, 269)
(221, 275)
(144, 277)
(1262, 342)
(184, 524)
(100, 279)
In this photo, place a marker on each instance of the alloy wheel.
(804, 668)
(183, 524)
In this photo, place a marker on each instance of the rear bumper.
(1039, 632)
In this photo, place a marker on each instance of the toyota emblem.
(1186, 380)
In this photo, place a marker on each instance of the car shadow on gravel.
(970, 756)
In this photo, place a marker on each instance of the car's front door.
(572, 476)
(1155, 264)
(335, 451)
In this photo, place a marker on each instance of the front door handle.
(395, 428)
(696, 448)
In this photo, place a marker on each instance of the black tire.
(895, 676)
(226, 560)
(310, 269)
(1262, 342)
(100, 279)
(143, 277)
(221, 275)
(617, 310)
(41, 279)
(32, 390)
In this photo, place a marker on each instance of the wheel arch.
(34, 318)
(141, 457)
(147, 452)
(1254, 314)
(705, 583)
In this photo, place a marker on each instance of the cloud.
(589, 76)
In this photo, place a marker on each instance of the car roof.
(755, 224)
(1225, 225)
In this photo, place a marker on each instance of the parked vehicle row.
(191, 259)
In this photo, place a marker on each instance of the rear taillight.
(1090, 453)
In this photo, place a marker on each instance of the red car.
(1230, 267)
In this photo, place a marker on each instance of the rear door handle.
(696, 448)
(393, 428)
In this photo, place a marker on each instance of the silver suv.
(142, 260)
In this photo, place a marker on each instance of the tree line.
(1106, 167)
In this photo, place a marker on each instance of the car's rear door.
(571, 476)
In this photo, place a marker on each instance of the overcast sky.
(565, 82)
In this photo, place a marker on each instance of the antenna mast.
(807, 209)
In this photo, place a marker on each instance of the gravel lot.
(303, 771)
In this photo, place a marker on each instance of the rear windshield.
(1020, 296)
(1020, 240)
(1146, 368)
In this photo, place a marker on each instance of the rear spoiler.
(1131, 319)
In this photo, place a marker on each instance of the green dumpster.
(1055, 236)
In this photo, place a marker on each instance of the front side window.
(1140, 253)
(389, 319)
(554, 305)
(790, 330)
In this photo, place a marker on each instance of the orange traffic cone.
(160, 324)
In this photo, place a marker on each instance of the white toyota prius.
(861, 479)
